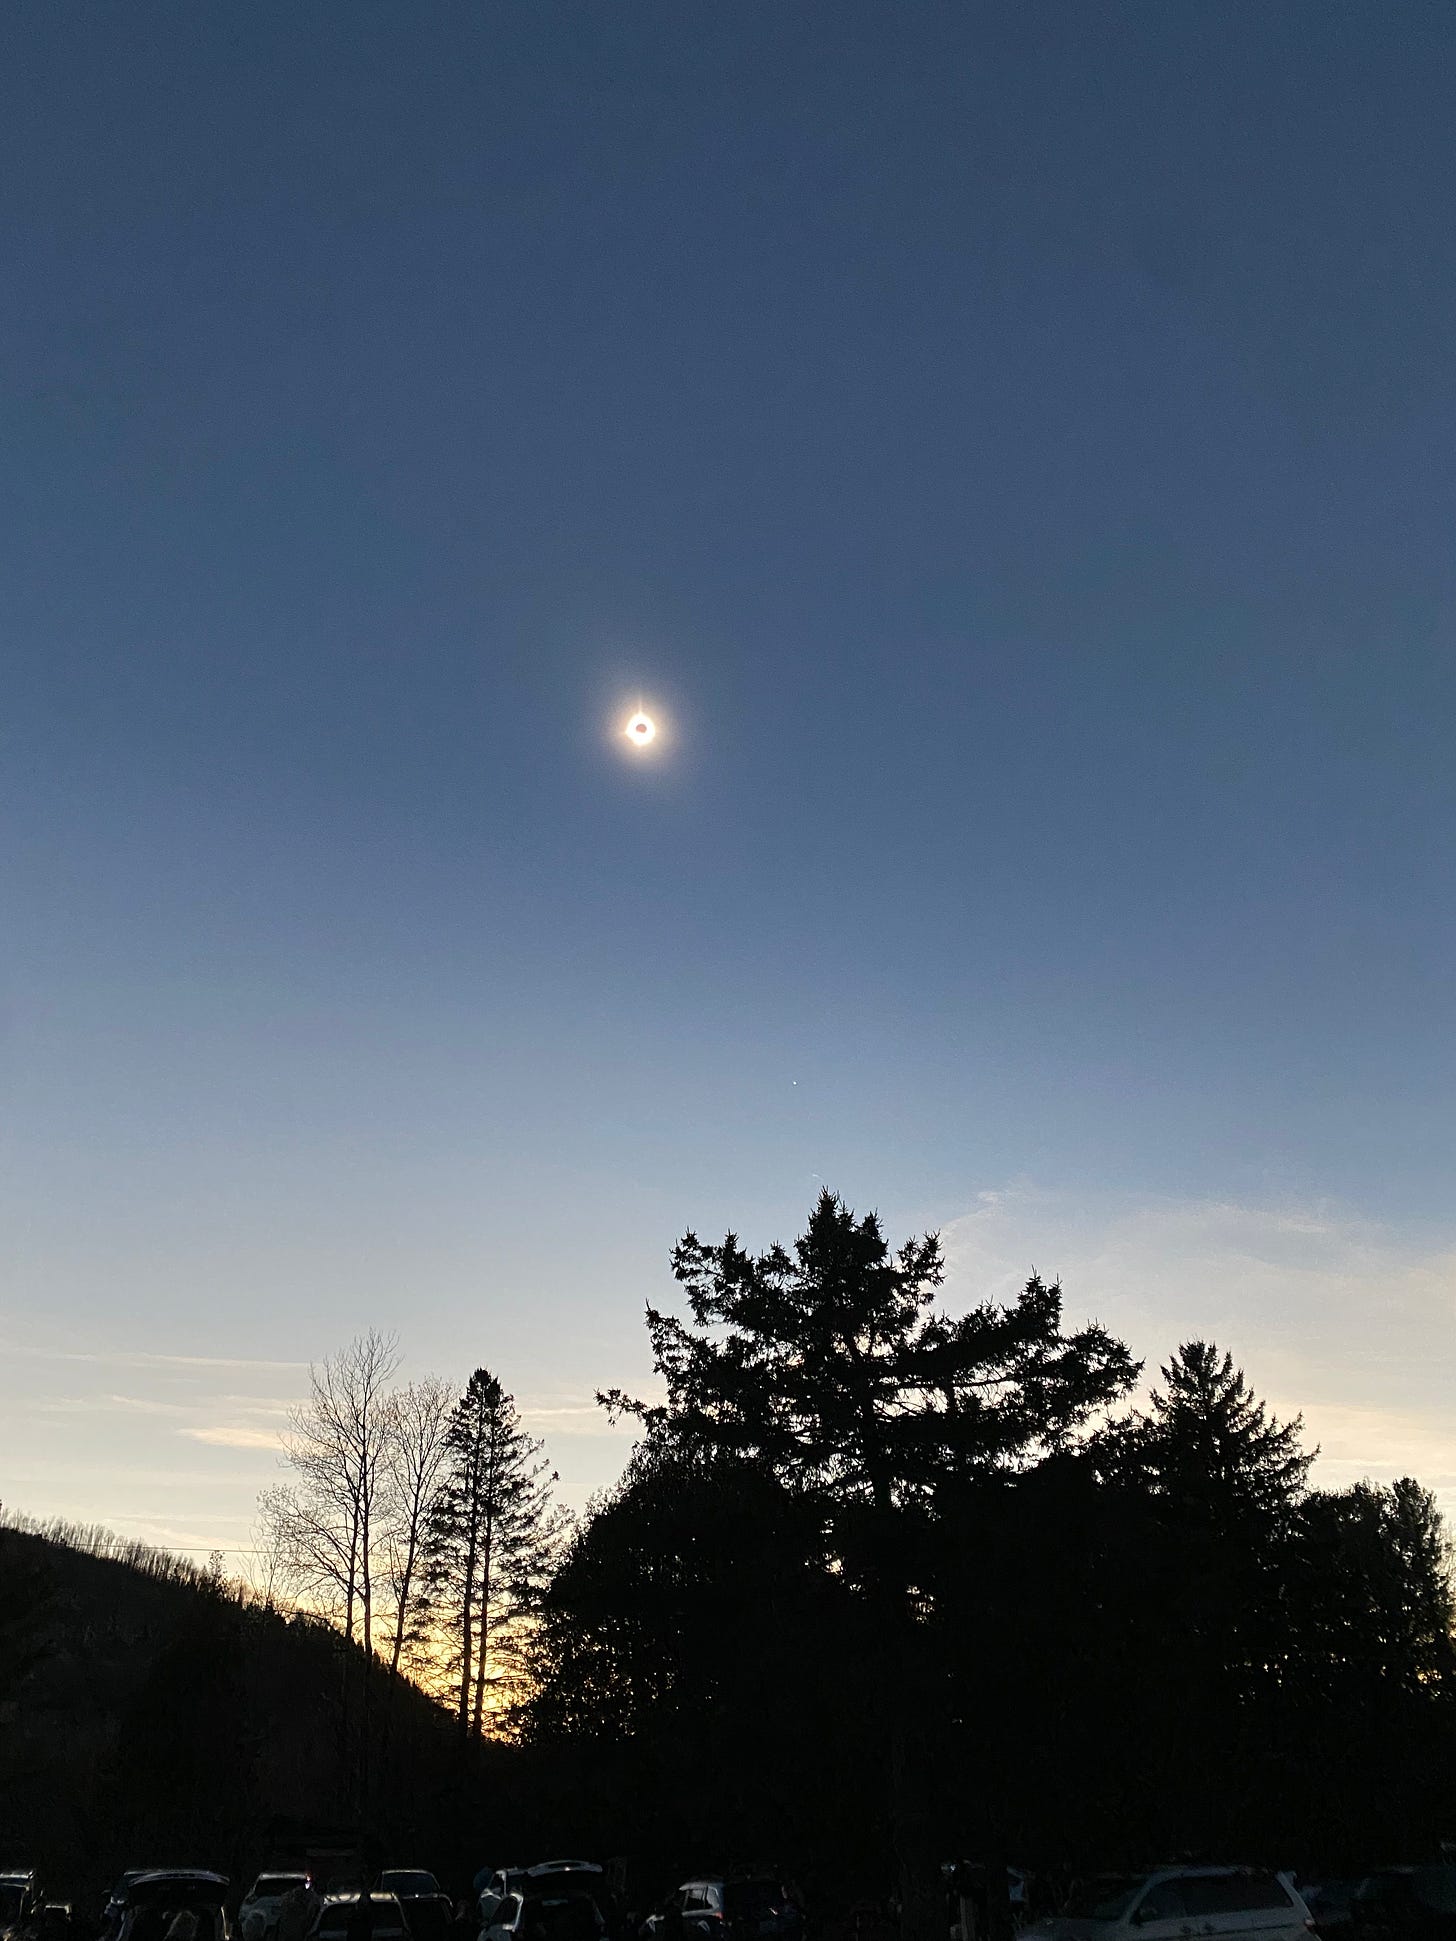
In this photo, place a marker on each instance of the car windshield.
(267, 1884)
(11, 1896)
(179, 1893)
(749, 1897)
(410, 1883)
(1106, 1897)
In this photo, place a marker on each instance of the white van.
(1180, 1904)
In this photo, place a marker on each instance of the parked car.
(1406, 1904)
(340, 1917)
(119, 1898)
(20, 1899)
(547, 1877)
(258, 1914)
(546, 1910)
(757, 1907)
(427, 1911)
(1172, 1903)
(154, 1900)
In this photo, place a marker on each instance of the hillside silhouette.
(151, 1713)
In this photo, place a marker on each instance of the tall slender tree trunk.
(484, 1645)
(467, 1639)
(406, 1586)
(367, 1586)
(467, 1601)
(401, 1618)
(366, 1696)
(351, 1586)
(346, 1654)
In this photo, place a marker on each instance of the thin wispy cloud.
(88, 1484)
(137, 1358)
(575, 1418)
(148, 1405)
(1333, 1317)
(224, 1436)
(140, 1405)
(197, 1537)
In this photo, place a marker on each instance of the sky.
(1007, 447)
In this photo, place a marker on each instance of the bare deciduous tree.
(416, 1458)
(268, 1570)
(337, 1447)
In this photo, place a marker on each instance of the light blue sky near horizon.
(1010, 447)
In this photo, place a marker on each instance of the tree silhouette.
(829, 1367)
(489, 1545)
(417, 1451)
(697, 1655)
(1208, 1450)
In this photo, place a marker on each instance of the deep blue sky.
(1013, 446)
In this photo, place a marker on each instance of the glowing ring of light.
(640, 730)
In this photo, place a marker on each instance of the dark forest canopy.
(886, 1582)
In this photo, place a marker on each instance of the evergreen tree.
(830, 1368)
(490, 1543)
(696, 1652)
(1222, 1479)
(1208, 1450)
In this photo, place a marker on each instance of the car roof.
(197, 1880)
(159, 1874)
(731, 1880)
(1190, 1872)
